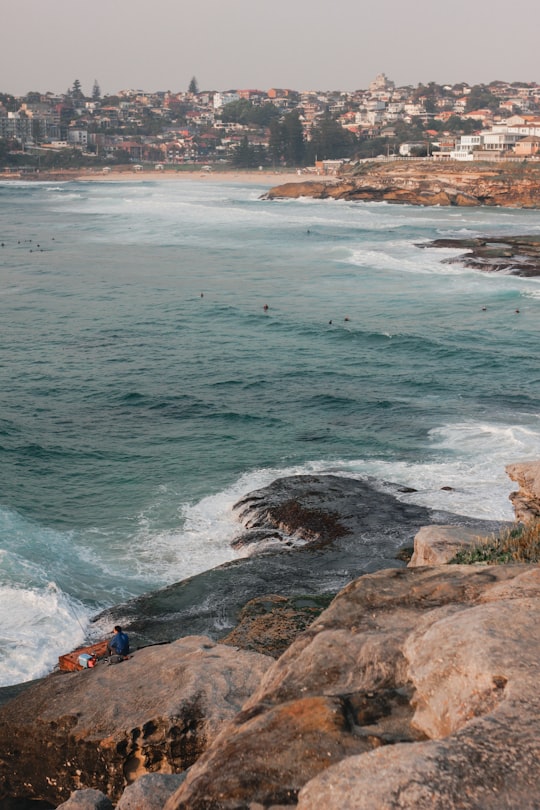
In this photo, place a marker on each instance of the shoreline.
(252, 177)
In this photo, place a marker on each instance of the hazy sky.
(301, 44)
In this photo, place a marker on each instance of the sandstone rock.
(437, 545)
(88, 799)
(151, 791)
(314, 189)
(300, 738)
(442, 662)
(428, 183)
(105, 727)
(526, 500)
(476, 699)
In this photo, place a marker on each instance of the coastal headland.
(422, 182)
(505, 184)
(414, 687)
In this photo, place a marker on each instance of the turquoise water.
(143, 387)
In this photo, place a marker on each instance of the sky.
(298, 44)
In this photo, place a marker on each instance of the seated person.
(119, 643)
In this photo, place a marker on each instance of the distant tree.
(264, 115)
(245, 112)
(236, 112)
(249, 156)
(243, 155)
(371, 147)
(193, 86)
(6, 156)
(286, 140)
(32, 97)
(9, 102)
(329, 140)
(461, 126)
(96, 91)
(122, 156)
(276, 141)
(37, 130)
(76, 91)
(294, 151)
(481, 98)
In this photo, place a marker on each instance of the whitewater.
(169, 346)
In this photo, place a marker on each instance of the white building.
(500, 141)
(221, 99)
(466, 146)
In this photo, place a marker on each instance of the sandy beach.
(265, 177)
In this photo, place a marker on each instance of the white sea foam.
(123, 307)
(38, 625)
(41, 622)
(469, 457)
(404, 257)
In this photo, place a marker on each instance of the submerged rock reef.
(421, 182)
(412, 688)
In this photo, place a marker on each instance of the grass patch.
(519, 543)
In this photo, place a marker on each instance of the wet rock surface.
(513, 255)
(332, 530)
(162, 709)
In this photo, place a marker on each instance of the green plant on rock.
(520, 543)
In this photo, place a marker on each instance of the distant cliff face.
(427, 183)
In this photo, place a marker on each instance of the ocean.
(169, 346)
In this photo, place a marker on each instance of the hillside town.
(277, 127)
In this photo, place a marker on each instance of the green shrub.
(520, 544)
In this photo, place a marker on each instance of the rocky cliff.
(515, 185)
(415, 688)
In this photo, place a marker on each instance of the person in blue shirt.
(119, 643)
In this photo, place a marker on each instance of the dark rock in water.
(303, 517)
(260, 541)
(349, 527)
(514, 255)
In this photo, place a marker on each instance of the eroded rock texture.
(526, 500)
(427, 183)
(102, 728)
(415, 689)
